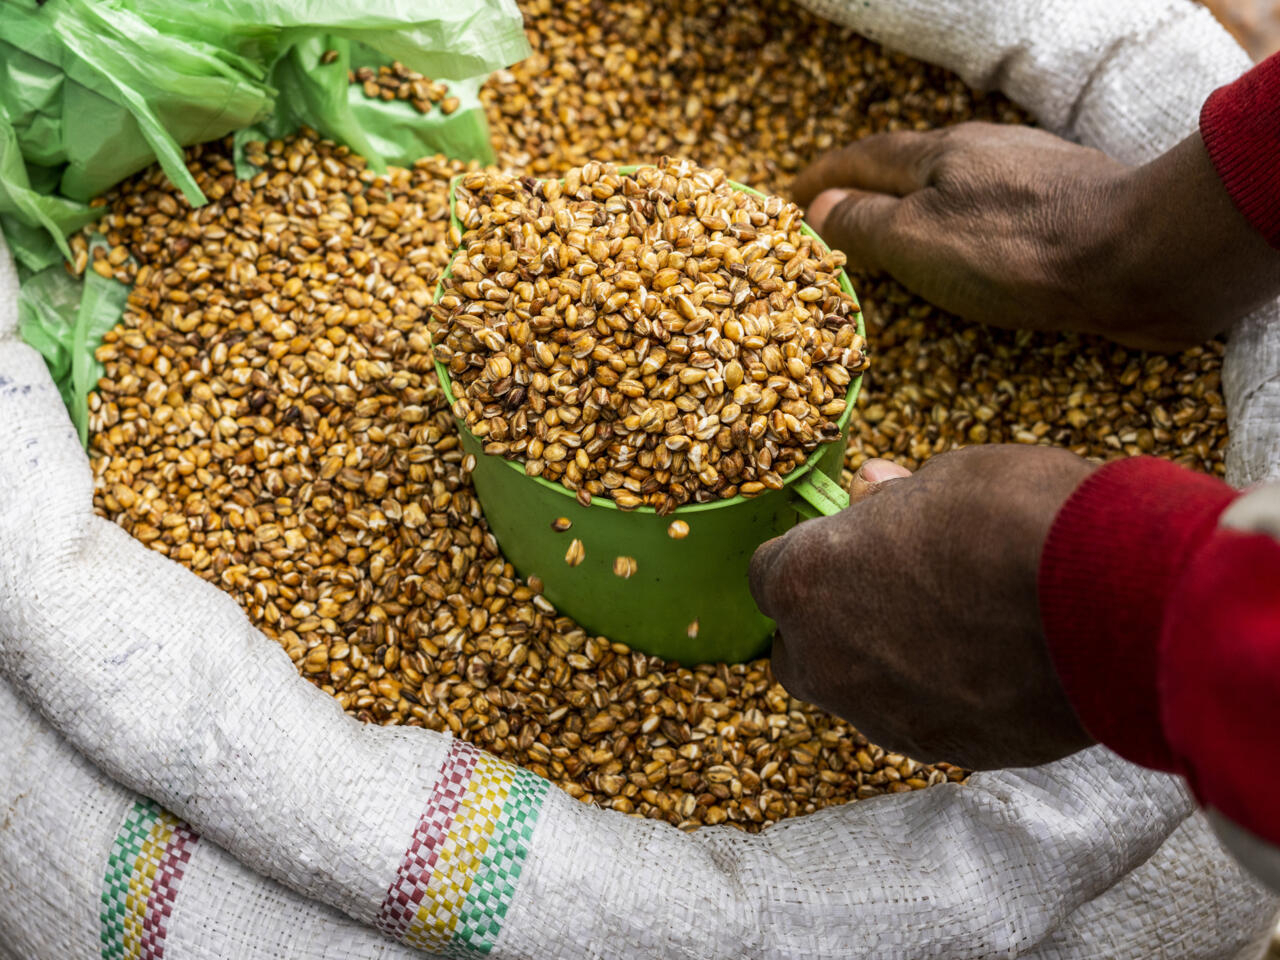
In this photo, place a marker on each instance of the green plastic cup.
(688, 599)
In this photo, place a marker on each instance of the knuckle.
(786, 585)
(782, 596)
(849, 217)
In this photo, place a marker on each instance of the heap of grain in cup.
(656, 337)
(229, 435)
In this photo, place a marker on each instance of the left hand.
(914, 613)
(1015, 227)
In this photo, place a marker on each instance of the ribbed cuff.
(1240, 126)
(1112, 557)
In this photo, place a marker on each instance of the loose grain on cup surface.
(289, 487)
(658, 338)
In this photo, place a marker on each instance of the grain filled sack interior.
(161, 681)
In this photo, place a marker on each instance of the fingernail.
(822, 206)
(874, 471)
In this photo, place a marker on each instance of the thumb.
(860, 224)
(763, 571)
(872, 477)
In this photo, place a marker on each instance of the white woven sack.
(158, 679)
(75, 847)
(89, 869)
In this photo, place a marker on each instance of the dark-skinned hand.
(1015, 227)
(913, 613)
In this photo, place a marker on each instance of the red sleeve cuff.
(1240, 126)
(1111, 560)
(1221, 655)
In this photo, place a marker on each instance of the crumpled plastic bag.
(65, 320)
(92, 91)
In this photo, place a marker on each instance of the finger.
(824, 203)
(760, 574)
(858, 223)
(894, 163)
(872, 477)
(785, 668)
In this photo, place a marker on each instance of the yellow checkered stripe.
(147, 862)
(463, 865)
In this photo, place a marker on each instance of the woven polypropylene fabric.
(74, 845)
(158, 678)
(76, 877)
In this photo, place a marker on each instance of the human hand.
(1015, 227)
(914, 613)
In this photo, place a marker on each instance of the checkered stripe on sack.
(494, 884)
(457, 879)
(145, 866)
(401, 902)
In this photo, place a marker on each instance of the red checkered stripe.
(164, 890)
(410, 886)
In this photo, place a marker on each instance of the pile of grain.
(269, 417)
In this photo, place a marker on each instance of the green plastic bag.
(444, 39)
(92, 91)
(65, 319)
(381, 131)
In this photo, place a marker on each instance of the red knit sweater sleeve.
(1240, 126)
(1164, 626)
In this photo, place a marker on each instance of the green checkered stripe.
(494, 884)
(126, 850)
(147, 862)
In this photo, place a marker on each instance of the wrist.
(1178, 263)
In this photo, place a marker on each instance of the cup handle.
(817, 495)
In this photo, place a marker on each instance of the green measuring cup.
(688, 599)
